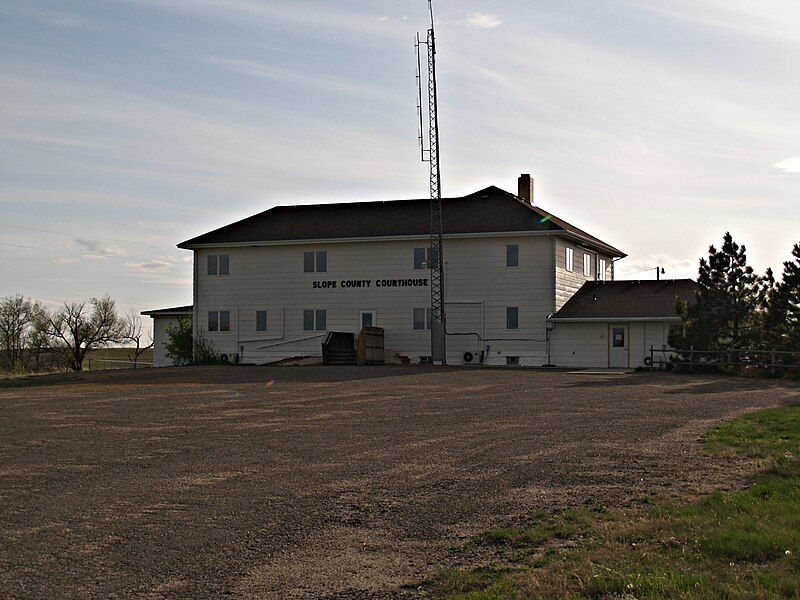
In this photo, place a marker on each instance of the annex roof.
(601, 300)
(490, 210)
(164, 312)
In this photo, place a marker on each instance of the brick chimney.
(525, 188)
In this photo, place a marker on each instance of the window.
(315, 319)
(367, 318)
(219, 320)
(601, 269)
(512, 255)
(218, 264)
(322, 262)
(618, 337)
(422, 319)
(587, 265)
(261, 320)
(512, 317)
(422, 258)
(315, 262)
(569, 261)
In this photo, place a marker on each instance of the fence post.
(774, 369)
(652, 357)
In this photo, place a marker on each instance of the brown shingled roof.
(489, 210)
(627, 299)
(176, 310)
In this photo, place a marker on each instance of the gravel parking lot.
(326, 481)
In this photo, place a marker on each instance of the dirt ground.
(326, 481)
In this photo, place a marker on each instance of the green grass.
(742, 544)
(23, 381)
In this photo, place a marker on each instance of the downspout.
(195, 308)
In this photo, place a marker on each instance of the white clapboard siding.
(479, 287)
(586, 344)
(160, 339)
(567, 283)
(579, 345)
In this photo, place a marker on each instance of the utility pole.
(431, 155)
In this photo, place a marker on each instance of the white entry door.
(367, 318)
(618, 347)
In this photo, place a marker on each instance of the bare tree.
(16, 319)
(135, 332)
(79, 327)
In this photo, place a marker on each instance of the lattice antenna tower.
(429, 120)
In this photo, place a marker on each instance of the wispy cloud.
(770, 19)
(479, 20)
(157, 264)
(98, 249)
(323, 83)
(790, 165)
(53, 18)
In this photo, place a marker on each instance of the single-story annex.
(270, 286)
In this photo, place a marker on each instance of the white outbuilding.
(613, 324)
(162, 319)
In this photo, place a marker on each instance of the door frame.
(609, 346)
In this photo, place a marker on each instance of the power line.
(92, 237)
(59, 251)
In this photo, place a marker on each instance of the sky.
(128, 126)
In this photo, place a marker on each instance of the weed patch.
(741, 544)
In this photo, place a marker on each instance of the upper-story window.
(315, 262)
(601, 269)
(422, 258)
(587, 265)
(569, 260)
(512, 255)
(218, 264)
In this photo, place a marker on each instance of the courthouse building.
(270, 286)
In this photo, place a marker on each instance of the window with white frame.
(422, 319)
(218, 264)
(569, 259)
(512, 255)
(315, 319)
(261, 320)
(587, 265)
(219, 320)
(422, 258)
(601, 269)
(315, 262)
(512, 317)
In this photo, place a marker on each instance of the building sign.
(369, 283)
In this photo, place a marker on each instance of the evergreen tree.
(723, 314)
(782, 310)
